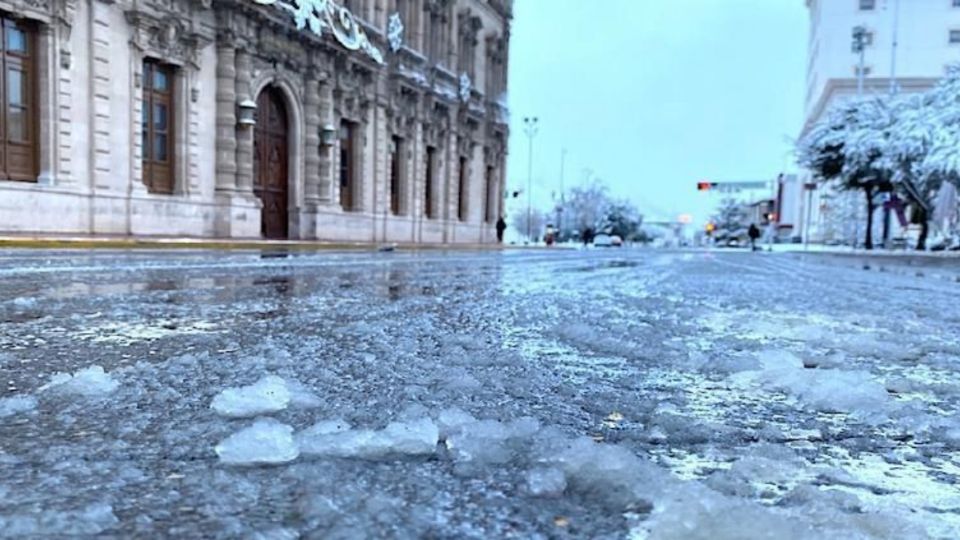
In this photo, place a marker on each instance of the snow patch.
(89, 382)
(266, 442)
(91, 520)
(17, 404)
(335, 438)
(826, 390)
(546, 482)
(268, 395)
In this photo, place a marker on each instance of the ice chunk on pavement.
(490, 441)
(91, 520)
(17, 404)
(695, 513)
(547, 482)
(301, 397)
(266, 442)
(452, 420)
(91, 381)
(826, 390)
(337, 439)
(268, 395)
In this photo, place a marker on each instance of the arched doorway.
(270, 161)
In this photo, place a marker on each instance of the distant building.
(928, 40)
(378, 120)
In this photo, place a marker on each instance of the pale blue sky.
(654, 95)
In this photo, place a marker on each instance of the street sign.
(732, 187)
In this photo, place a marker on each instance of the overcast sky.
(654, 95)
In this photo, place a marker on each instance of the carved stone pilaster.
(311, 103)
(326, 117)
(244, 68)
(226, 118)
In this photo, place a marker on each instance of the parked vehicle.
(607, 240)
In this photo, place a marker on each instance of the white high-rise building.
(910, 41)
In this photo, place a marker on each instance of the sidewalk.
(876, 253)
(157, 242)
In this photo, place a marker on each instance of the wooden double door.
(271, 162)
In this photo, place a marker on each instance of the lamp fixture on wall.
(245, 112)
(327, 135)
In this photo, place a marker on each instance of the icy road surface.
(602, 394)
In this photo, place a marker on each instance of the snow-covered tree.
(848, 151)
(538, 223)
(732, 221)
(622, 219)
(924, 148)
(584, 208)
(908, 143)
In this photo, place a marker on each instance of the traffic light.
(705, 186)
(710, 228)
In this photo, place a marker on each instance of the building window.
(955, 36)
(463, 189)
(157, 127)
(867, 5)
(488, 195)
(408, 15)
(469, 27)
(348, 173)
(396, 176)
(18, 114)
(429, 181)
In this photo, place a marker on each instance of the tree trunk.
(924, 230)
(868, 240)
(886, 227)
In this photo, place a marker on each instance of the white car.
(607, 240)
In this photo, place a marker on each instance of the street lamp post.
(530, 125)
(859, 47)
(563, 201)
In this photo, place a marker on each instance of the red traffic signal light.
(704, 186)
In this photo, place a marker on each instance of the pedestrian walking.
(754, 233)
(501, 226)
(587, 236)
(771, 234)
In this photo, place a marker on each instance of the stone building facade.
(360, 120)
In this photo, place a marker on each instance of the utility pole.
(893, 92)
(530, 126)
(893, 48)
(859, 46)
(563, 200)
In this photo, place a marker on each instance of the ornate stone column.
(226, 118)
(311, 158)
(244, 157)
(325, 117)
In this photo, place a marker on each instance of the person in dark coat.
(587, 236)
(501, 226)
(754, 233)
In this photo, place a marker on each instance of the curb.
(13, 242)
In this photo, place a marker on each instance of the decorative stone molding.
(167, 36)
(324, 15)
(466, 88)
(395, 31)
(436, 122)
(402, 111)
